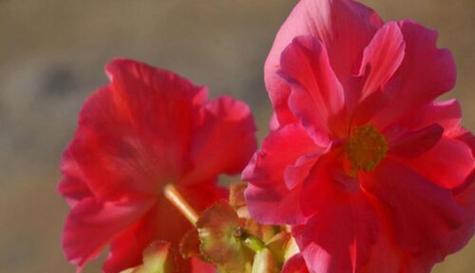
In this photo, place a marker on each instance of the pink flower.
(371, 172)
(147, 128)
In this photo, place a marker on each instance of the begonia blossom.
(146, 129)
(371, 171)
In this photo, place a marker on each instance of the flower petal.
(447, 164)
(265, 173)
(411, 144)
(382, 57)
(447, 114)
(422, 215)
(125, 129)
(344, 27)
(226, 122)
(161, 222)
(276, 205)
(340, 236)
(296, 264)
(425, 73)
(198, 266)
(465, 197)
(319, 96)
(72, 185)
(91, 225)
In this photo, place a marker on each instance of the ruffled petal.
(425, 73)
(381, 58)
(214, 150)
(340, 236)
(344, 27)
(447, 164)
(162, 222)
(128, 133)
(422, 215)
(465, 197)
(266, 174)
(91, 225)
(447, 114)
(412, 143)
(198, 266)
(72, 185)
(296, 264)
(277, 205)
(318, 97)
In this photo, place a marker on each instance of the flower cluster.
(363, 169)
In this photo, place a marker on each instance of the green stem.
(254, 243)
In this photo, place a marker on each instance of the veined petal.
(448, 163)
(412, 143)
(421, 214)
(381, 58)
(162, 222)
(280, 149)
(319, 97)
(128, 135)
(425, 73)
(214, 150)
(277, 205)
(447, 114)
(296, 264)
(340, 236)
(91, 225)
(266, 175)
(344, 27)
(72, 186)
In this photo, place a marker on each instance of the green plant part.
(156, 259)
(221, 236)
(264, 262)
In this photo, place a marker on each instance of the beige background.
(51, 57)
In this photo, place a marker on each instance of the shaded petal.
(296, 264)
(198, 266)
(422, 215)
(465, 197)
(280, 149)
(162, 222)
(305, 63)
(345, 28)
(382, 57)
(412, 143)
(297, 173)
(128, 134)
(384, 256)
(91, 225)
(276, 205)
(425, 73)
(447, 164)
(214, 150)
(72, 185)
(447, 114)
(266, 176)
(340, 236)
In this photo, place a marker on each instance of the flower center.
(365, 148)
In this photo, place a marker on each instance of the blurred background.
(52, 54)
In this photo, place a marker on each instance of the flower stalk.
(177, 200)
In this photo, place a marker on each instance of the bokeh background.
(52, 54)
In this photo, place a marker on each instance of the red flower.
(149, 127)
(370, 171)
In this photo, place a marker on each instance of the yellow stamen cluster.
(365, 148)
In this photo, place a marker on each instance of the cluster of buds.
(225, 236)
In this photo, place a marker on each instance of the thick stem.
(254, 243)
(177, 200)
